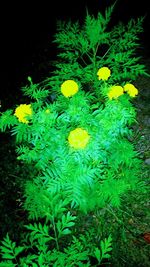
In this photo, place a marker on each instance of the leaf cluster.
(70, 183)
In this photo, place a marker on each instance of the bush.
(75, 132)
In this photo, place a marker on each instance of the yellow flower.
(22, 111)
(115, 91)
(103, 73)
(78, 138)
(131, 89)
(69, 88)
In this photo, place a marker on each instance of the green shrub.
(75, 132)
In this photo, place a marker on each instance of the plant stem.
(56, 238)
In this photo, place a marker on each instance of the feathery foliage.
(78, 144)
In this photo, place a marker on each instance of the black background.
(27, 31)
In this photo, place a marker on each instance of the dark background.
(27, 31)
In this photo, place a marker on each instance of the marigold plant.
(78, 144)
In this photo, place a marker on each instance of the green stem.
(111, 211)
(106, 52)
(94, 58)
(120, 222)
(89, 57)
(55, 232)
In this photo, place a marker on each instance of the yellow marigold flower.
(69, 88)
(131, 89)
(103, 73)
(22, 111)
(78, 138)
(115, 91)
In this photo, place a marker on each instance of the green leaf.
(7, 249)
(106, 256)
(7, 264)
(7, 119)
(34, 264)
(97, 254)
(106, 247)
(8, 256)
(18, 250)
(66, 231)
